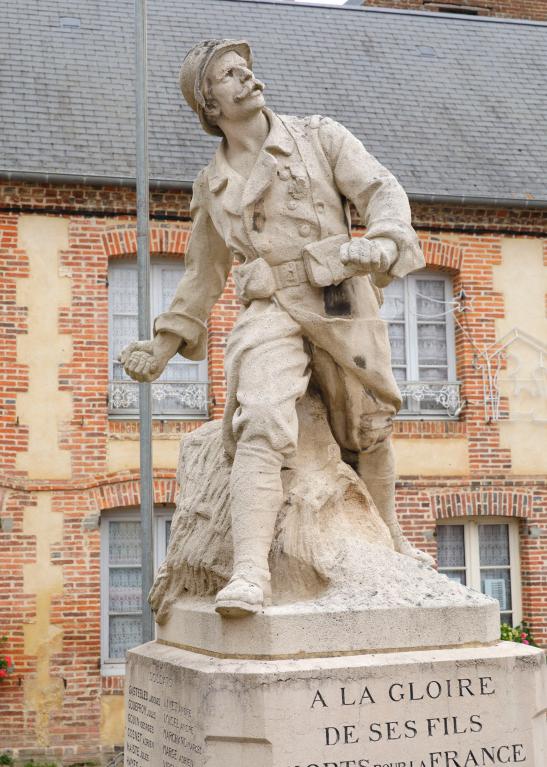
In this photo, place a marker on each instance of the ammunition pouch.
(323, 263)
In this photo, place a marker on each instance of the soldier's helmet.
(193, 70)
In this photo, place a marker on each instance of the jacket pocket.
(254, 280)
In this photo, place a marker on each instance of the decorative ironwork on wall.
(514, 373)
(181, 398)
(432, 398)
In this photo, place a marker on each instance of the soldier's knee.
(372, 437)
(267, 426)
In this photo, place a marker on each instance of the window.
(459, 10)
(440, 7)
(421, 332)
(121, 581)
(484, 555)
(182, 390)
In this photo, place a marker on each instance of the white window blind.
(182, 388)
(484, 554)
(421, 332)
(121, 606)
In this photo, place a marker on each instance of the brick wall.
(510, 9)
(13, 377)
(464, 242)
(100, 200)
(109, 202)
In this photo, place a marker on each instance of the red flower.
(3, 673)
(9, 660)
(525, 641)
(523, 636)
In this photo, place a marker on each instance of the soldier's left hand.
(363, 253)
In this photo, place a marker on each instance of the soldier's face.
(233, 88)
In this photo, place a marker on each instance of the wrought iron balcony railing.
(178, 399)
(431, 399)
(190, 399)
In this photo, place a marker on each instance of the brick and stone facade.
(65, 463)
(535, 10)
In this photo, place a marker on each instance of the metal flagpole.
(143, 265)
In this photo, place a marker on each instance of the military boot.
(256, 495)
(376, 467)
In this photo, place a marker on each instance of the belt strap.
(289, 274)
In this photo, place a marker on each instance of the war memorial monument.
(296, 625)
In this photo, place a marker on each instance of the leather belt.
(289, 274)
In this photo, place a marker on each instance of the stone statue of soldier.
(275, 198)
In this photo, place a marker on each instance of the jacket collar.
(278, 141)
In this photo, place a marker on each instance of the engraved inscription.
(141, 729)
(465, 732)
(160, 730)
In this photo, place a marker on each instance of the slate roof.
(452, 105)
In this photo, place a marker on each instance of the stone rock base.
(321, 627)
(459, 707)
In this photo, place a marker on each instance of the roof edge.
(185, 185)
(90, 180)
(478, 201)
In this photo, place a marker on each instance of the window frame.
(113, 667)
(412, 363)
(472, 559)
(156, 266)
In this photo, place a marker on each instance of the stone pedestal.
(480, 706)
(366, 658)
(326, 627)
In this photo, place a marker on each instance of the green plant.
(32, 763)
(6, 759)
(520, 633)
(6, 665)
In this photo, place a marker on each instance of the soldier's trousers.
(269, 363)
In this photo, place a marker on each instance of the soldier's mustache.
(255, 85)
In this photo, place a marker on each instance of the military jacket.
(296, 194)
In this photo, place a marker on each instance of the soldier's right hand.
(146, 360)
(363, 254)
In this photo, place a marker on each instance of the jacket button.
(304, 230)
(320, 207)
(292, 205)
